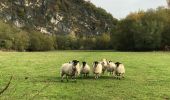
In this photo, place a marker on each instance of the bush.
(21, 41)
(5, 44)
(41, 42)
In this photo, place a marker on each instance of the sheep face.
(117, 64)
(75, 62)
(84, 64)
(104, 62)
(109, 62)
(74, 68)
(96, 63)
(97, 69)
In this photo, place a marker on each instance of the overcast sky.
(120, 8)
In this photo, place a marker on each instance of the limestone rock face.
(57, 16)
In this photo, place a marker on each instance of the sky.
(121, 8)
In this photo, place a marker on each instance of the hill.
(75, 17)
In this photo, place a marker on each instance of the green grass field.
(147, 76)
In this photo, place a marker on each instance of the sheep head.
(74, 67)
(104, 62)
(84, 63)
(117, 64)
(96, 63)
(75, 62)
(109, 62)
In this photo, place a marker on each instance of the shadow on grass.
(51, 79)
(85, 51)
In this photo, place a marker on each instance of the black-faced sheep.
(111, 68)
(120, 70)
(69, 69)
(97, 69)
(104, 65)
(85, 69)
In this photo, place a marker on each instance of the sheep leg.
(67, 78)
(81, 75)
(95, 76)
(119, 76)
(74, 78)
(103, 72)
(62, 77)
(98, 75)
(113, 75)
(86, 74)
(123, 75)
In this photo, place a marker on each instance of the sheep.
(97, 69)
(78, 70)
(69, 69)
(104, 65)
(77, 67)
(111, 68)
(120, 70)
(85, 69)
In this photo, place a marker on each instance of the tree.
(41, 42)
(20, 41)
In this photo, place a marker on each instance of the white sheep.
(85, 69)
(69, 69)
(104, 65)
(111, 68)
(78, 70)
(120, 70)
(97, 69)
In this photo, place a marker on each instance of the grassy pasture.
(36, 75)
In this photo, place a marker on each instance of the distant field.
(36, 76)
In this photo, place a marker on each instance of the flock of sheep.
(73, 69)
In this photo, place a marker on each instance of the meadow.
(36, 76)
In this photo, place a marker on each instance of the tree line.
(143, 31)
(139, 31)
